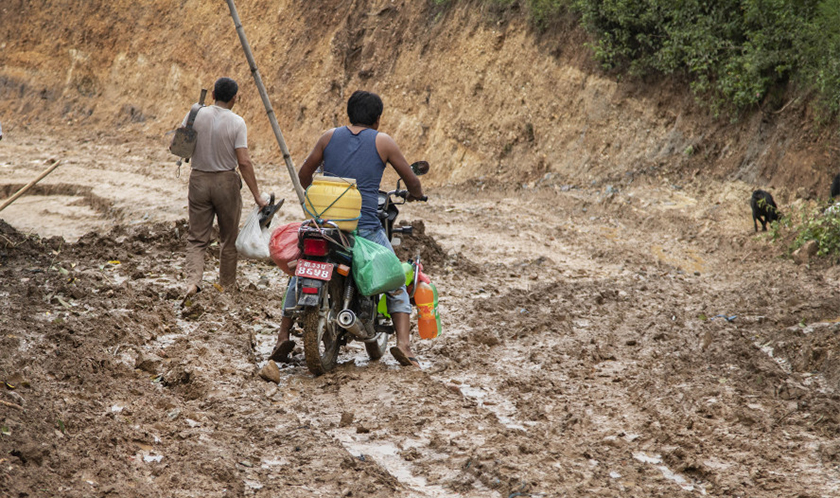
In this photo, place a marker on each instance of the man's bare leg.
(285, 328)
(402, 325)
(283, 346)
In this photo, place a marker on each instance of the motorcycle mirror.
(420, 167)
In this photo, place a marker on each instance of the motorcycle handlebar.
(404, 195)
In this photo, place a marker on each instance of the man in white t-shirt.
(222, 145)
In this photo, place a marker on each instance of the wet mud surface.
(621, 340)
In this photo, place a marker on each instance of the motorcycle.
(329, 309)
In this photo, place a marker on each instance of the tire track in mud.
(509, 435)
(401, 420)
(580, 356)
(659, 406)
(590, 392)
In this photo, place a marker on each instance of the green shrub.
(543, 11)
(734, 52)
(820, 48)
(820, 225)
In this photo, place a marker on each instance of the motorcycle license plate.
(314, 269)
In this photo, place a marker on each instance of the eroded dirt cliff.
(467, 86)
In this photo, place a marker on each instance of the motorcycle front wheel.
(321, 333)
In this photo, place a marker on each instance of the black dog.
(835, 186)
(763, 209)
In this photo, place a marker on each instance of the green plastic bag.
(376, 269)
(382, 307)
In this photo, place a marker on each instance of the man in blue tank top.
(360, 151)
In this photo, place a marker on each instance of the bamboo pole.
(29, 186)
(268, 109)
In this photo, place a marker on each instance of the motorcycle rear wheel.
(321, 333)
(376, 349)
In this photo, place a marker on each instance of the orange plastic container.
(428, 320)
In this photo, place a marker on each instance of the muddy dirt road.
(632, 339)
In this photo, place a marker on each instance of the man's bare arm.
(247, 170)
(314, 159)
(390, 153)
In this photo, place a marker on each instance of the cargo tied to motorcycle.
(334, 199)
(425, 299)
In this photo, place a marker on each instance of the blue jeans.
(396, 300)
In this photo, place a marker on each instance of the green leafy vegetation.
(819, 222)
(735, 53)
(821, 225)
(820, 61)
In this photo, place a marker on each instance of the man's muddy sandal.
(190, 294)
(282, 350)
(403, 359)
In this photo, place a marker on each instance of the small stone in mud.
(410, 454)
(803, 255)
(270, 372)
(193, 311)
(707, 339)
(631, 342)
(31, 453)
(361, 429)
(346, 419)
(830, 451)
(148, 362)
(614, 441)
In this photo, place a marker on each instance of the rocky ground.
(626, 339)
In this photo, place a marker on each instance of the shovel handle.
(29, 186)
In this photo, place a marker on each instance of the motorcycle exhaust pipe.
(347, 320)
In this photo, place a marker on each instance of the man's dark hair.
(364, 108)
(225, 89)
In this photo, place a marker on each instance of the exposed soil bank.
(466, 87)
